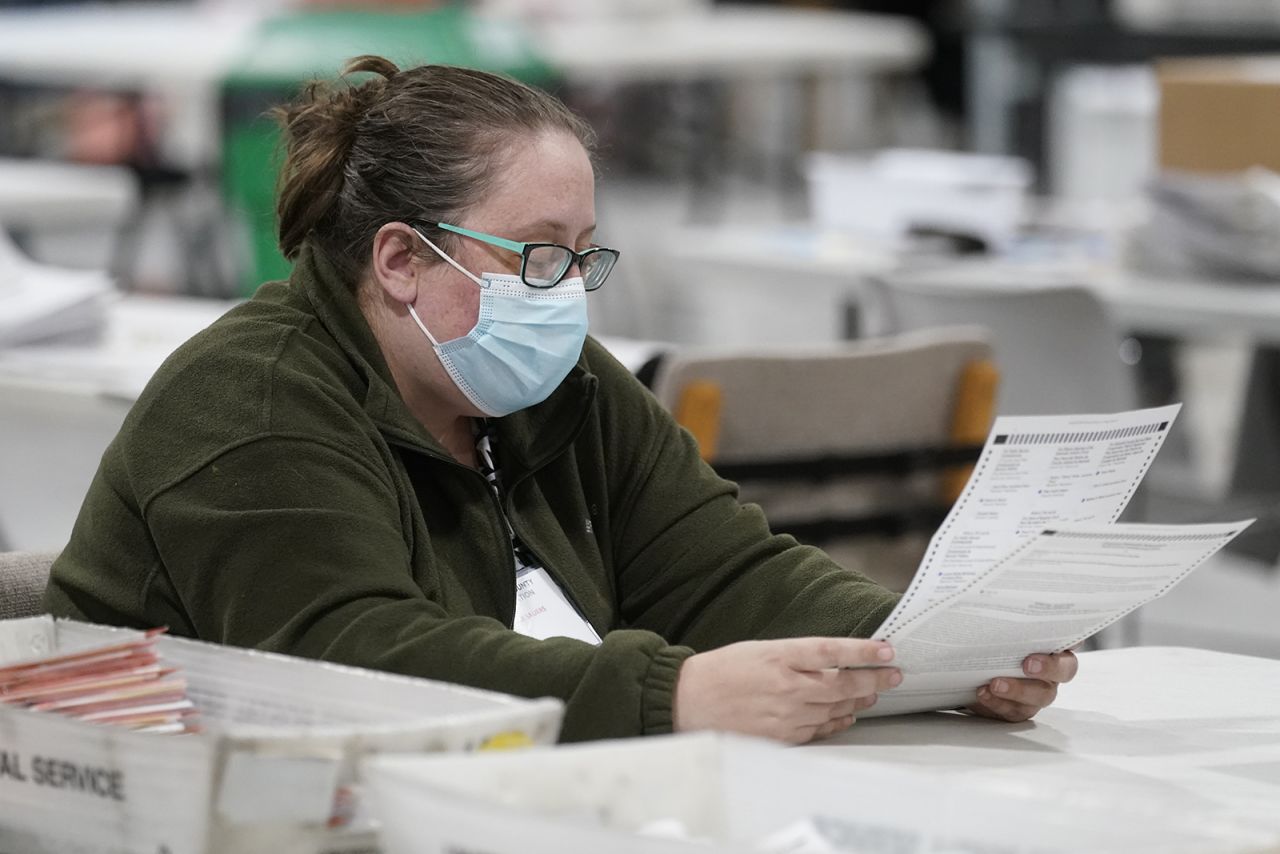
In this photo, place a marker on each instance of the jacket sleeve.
(693, 564)
(295, 546)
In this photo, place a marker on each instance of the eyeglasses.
(544, 265)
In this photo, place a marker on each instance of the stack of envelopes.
(123, 684)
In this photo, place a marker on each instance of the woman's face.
(545, 193)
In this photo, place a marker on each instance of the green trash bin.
(287, 51)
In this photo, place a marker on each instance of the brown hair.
(418, 144)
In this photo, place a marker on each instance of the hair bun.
(379, 65)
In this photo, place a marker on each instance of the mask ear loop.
(452, 263)
(421, 325)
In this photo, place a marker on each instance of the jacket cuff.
(658, 691)
(867, 626)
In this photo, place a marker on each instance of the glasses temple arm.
(511, 245)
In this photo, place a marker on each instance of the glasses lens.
(596, 267)
(544, 265)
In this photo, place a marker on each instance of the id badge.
(543, 611)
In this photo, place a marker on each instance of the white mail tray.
(275, 770)
(705, 794)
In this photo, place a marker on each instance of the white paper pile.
(1224, 227)
(38, 302)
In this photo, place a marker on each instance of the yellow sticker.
(510, 740)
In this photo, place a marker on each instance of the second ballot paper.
(1031, 559)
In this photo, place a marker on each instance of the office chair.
(23, 577)
(1057, 350)
(858, 447)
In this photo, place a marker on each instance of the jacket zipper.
(510, 492)
(507, 530)
(504, 536)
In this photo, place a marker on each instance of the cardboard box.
(707, 794)
(276, 770)
(1219, 115)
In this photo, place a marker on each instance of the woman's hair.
(419, 144)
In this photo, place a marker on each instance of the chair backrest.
(1056, 349)
(23, 577)
(848, 446)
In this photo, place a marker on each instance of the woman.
(410, 457)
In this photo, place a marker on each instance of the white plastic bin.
(275, 771)
(719, 794)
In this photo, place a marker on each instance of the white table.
(125, 46)
(60, 406)
(1192, 308)
(36, 193)
(132, 46)
(747, 42)
(817, 274)
(1187, 726)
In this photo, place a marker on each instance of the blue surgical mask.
(524, 343)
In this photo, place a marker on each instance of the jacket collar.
(530, 438)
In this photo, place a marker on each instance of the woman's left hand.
(1018, 700)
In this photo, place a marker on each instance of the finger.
(834, 726)
(834, 686)
(1028, 692)
(844, 709)
(863, 703)
(804, 735)
(814, 715)
(825, 653)
(1060, 667)
(821, 713)
(991, 706)
(850, 707)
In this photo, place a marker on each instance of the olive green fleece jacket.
(270, 489)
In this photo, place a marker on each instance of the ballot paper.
(1031, 560)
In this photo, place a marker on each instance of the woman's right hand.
(792, 690)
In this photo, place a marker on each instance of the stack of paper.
(38, 302)
(123, 684)
(1210, 226)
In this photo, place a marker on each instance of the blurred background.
(776, 174)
